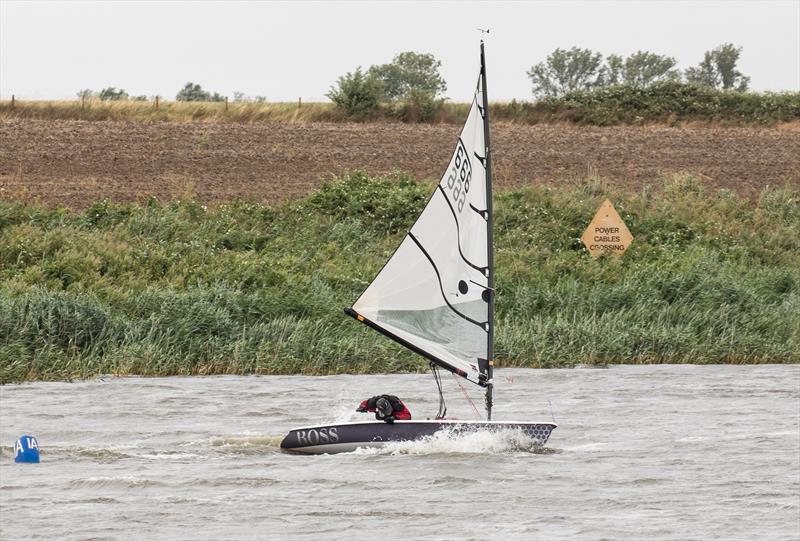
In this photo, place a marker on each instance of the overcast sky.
(50, 50)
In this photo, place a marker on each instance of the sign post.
(607, 233)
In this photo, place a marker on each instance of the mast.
(489, 239)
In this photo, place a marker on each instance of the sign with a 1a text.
(607, 234)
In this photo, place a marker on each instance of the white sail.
(432, 295)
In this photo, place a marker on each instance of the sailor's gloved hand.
(362, 408)
(389, 419)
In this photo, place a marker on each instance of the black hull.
(345, 437)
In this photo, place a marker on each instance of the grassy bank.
(665, 103)
(170, 111)
(178, 288)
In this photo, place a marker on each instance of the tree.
(705, 74)
(194, 92)
(112, 94)
(85, 94)
(408, 73)
(718, 69)
(641, 69)
(614, 70)
(357, 92)
(567, 71)
(725, 58)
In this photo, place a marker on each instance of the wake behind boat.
(346, 437)
(435, 296)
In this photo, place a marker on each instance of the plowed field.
(75, 163)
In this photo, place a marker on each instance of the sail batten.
(435, 294)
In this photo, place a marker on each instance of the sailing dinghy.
(435, 296)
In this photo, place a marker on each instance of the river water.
(641, 452)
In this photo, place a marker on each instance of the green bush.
(419, 106)
(112, 94)
(382, 204)
(357, 94)
(177, 288)
(671, 101)
(194, 92)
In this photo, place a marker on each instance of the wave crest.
(448, 442)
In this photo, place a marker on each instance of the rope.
(469, 400)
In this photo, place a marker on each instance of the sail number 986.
(459, 177)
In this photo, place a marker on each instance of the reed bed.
(670, 103)
(243, 288)
(170, 111)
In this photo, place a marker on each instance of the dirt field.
(75, 163)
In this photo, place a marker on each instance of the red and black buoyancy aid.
(399, 410)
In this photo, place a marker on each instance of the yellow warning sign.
(607, 233)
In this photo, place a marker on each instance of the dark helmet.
(383, 407)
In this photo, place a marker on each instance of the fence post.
(12, 101)
(156, 102)
(83, 101)
(226, 103)
(299, 102)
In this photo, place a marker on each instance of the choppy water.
(646, 452)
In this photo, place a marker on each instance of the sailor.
(386, 408)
